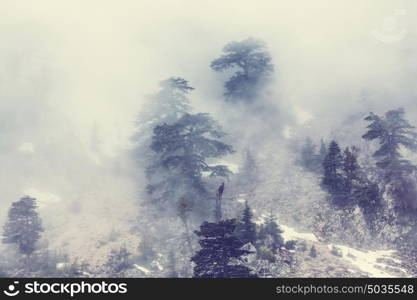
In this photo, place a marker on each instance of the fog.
(74, 74)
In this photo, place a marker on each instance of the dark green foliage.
(270, 234)
(220, 252)
(253, 65)
(23, 226)
(246, 228)
(183, 149)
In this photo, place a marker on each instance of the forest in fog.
(162, 139)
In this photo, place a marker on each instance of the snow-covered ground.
(379, 263)
(290, 234)
(371, 262)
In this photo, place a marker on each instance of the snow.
(367, 261)
(142, 269)
(287, 132)
(232, 167)
(62, 265)
(290, 234)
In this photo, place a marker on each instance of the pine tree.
(332, 165)
(23, 226)
(220, 254)
(169, 104)
(270, 234)
(393, 133)
(350, 169)
(253, 65)
(246, 229)
(333, 180)
(183, 149)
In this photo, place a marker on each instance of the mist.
(75, 74)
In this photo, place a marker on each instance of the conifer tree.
(253, 65)
(220, 254)
(333, 180)
(23, 226)
(270, 234)
(183, 149)
(394, 132)
(350, 169)
(246, 229)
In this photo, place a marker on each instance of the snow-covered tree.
(253, 68)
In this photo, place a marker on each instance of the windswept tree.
(252, 65)
(169, 104)
(393, 133)
(221, 252)
(183, 149)
(23, 226)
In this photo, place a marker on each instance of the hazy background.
(73, 75)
